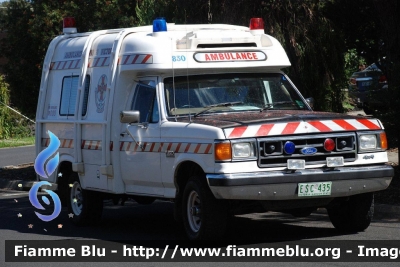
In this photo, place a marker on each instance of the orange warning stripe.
(193, 148)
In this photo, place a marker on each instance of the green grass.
(23, 141)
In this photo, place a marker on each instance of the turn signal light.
(384, 144)
(223, 151)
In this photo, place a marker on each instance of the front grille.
(272, 154)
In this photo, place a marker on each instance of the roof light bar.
(256, 24)
(159, 25)
(69, 25)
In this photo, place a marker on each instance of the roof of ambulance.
(183, 37)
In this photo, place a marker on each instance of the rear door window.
(69, 93)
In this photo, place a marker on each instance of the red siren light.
(69, 22)
(69, 25)
(256, 24)
(329, 144)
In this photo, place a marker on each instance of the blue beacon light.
(289, 147)
(159, 25)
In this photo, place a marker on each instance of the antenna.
(188, 90)
(173, 83)
(209, 12)
(187, 77)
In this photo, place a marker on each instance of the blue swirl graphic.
(43, 156)
(35, 202)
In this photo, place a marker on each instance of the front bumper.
(283, 185)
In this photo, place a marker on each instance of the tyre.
(353, 215)
(204, 217)
(86, 206)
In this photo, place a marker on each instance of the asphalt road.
(17, 155)
(155, 222)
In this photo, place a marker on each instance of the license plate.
(315, 189)
(366, 83)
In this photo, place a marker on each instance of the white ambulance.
(203, 116)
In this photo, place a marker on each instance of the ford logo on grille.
(308, 150)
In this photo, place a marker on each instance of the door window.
(145, 101)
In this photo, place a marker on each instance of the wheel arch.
(183, 172)
(63, 172)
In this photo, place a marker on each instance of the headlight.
(243, 150)
(372, 141)
(235, 150)
(368, 142)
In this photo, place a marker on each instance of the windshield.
(205, 94)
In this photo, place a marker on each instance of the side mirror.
(129, 116)
(310, 101)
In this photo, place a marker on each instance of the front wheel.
(84, 207)
(354, 215)
(204, 217)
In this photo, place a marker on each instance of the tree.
(31, 25)
(389, 21)
(18, 46)
(313, 39)
(4, 112)
(314, 47)
(359, 23)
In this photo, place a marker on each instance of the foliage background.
(12, 125)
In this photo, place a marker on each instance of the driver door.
(140, 143)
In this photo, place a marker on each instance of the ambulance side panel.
(75, 107)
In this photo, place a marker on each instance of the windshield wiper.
(270, 105)
(226, 104)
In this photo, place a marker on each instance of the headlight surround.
(372, 141)
(237, 150)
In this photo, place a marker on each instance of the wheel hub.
(195, 211)
(76, 198)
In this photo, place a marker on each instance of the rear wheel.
(354, 215)
(204, 217)
(85, 206)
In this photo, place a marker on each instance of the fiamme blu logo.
(45, 164)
